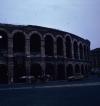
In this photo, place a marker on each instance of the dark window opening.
(49, 46)
(82, 70)
(88, 53)
(84, 51)
(19, 43)
(60, 72)
(3, 43)
(75, 50)
(81, 51)
(36, 72)
(50, 71)
(3, 74)
(60, 46)
(35, 44)
(86, 69)
(68, 47)
(19, 70)
(77, 69)
(69, 70)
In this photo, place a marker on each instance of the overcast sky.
(81, 17)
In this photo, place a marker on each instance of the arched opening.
(35, 44)
(60, 46)
(82, 69)
(60, 72)
(69, 69)
(68, 47)
(36, 71)
(3, 43)
(77, 69)
(81, 51)
(3, 74)
(84, 52)
(49, 46)
(50, 71)
(88, 53)
(19, 70)
(86, 69)
(19, 42)
(75, 50)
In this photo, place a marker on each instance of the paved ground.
(75, 93)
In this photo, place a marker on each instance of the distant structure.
(95, 59)
(31, 52)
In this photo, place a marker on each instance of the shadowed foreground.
(60, 96)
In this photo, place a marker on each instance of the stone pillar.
(56, 73)
(83, 53)
(79, 55)
(80, 69)
(78, 52)
(65, 70)
(55, 49)
(64, 44)
(28, 62)
(86, 53)
(43, 68)
(74, 73)
(10, 61)
(72, 51)
(42, 48)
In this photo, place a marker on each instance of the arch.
(68, 47)
(85, 52)
(49, 45)
(81, 51)
(19, 42)
(3, 74)
(5, 30)
(35, 44)
(60, 72)
(50, 71)
(3, 42)
(82, 69)
(77, 69)
(69, 69)
(60, 51)
(19, 70)
(36, 71)
(86, 69)
(75, 46)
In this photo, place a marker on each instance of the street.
(70, 94)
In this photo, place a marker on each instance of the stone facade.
(95, 59)
(29, 52)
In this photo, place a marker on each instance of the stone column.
(74, 73)
(64, 44)
(55, 49)
(65, 65)
(78, 52)
(83, 53)
(86, 53)
(79, 55)
(42, 48)
(10, 60)
(80, 69)
(28, 62)
(72, 51)
(43, 68)
(56, 73)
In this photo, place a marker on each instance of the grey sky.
(80, 17)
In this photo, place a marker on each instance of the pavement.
(84, 92)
